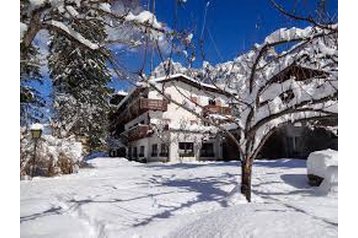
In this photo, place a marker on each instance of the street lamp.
(36, 132)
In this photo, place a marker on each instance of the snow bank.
(235, 197)
(318, 162)
(256, 220)
(330, 181)
(119, 198)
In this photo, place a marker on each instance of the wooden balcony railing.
(138, 132)
(141, 105)
(153, 104)
(214, 109)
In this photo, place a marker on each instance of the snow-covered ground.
(119, 198)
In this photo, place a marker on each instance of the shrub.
(54, 156)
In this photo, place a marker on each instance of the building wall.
(147, 142)
(197, 139)
(141, 142)
(172, 140)
(175, 113)
(177, 117)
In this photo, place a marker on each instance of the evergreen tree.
(80, 77)
(30, 99)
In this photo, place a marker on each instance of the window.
(135, 154)
(163, 150)
(154, 150)
(129, 152)
(211, 101)
(207, 150)
(186, 149)
(141, 151)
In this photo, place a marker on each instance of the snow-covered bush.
(54, 156)
(317, 164)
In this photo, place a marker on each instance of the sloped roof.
(190, 81)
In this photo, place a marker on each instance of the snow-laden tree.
(268, 88)
(80, 77)
(82, 35)
(54, 15)
(279, 88)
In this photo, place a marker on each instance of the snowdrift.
(256, 220)
(317, 164)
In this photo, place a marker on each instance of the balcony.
(138, 132)
(215, 109)
(141, 105)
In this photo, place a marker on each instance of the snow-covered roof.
(122, 93)
(36, 126)
(177, 76)
(188, 79)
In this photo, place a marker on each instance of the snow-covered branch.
(72, 33)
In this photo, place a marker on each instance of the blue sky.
(231, 26)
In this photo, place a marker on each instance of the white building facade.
(156, 128)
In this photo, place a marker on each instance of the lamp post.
(36, 132)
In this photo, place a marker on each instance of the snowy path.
(127, 199)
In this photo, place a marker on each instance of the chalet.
(155, 129)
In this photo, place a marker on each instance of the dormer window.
(211, 101)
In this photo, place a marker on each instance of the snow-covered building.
(156, 129)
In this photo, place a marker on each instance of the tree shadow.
(299, 181)
(300, 210)
(206, 188)
(281, 163)
(188, 165)
(49, 212)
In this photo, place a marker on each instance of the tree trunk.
(246, 171)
